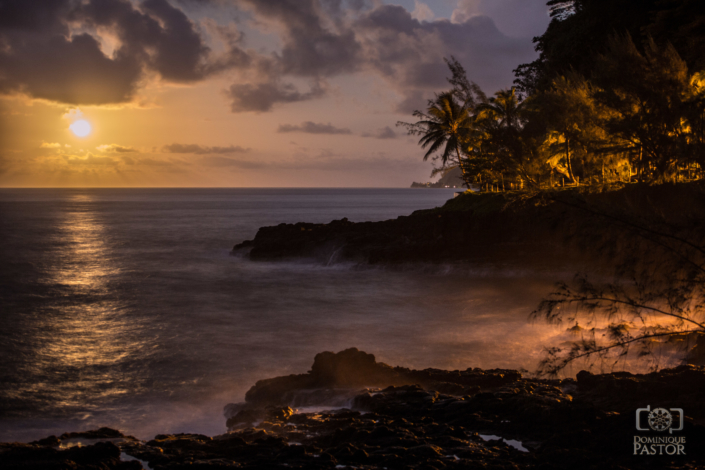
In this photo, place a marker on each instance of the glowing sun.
(81, 128)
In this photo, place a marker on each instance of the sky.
(238, 93)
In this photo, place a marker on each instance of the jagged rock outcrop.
(492, 420)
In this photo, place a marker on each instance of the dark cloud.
(324, 38)
(51, 49)
(519, 18)
(18, 15)
(52, 67)
(316, 42)
(159, 34)
(383, 133)
(202, 150)
(262, 97)
(410, 53)
(309, 127)
(234, 57)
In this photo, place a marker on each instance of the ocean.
(124, 307)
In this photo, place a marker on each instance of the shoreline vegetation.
(617, 95)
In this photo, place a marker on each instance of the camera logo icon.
(658, 419)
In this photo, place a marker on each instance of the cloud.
(383, 133)
(115, 148)
(89, 160)
(409, 54)
(422, 12)
(94, 52)
(153, 162)
(317, 41)
(53, 145)
(323, 39)
(413, 99)
(202, 150)
(521, 18)
(309, 127)
(59, 50)
(262, 97)
(72, 114)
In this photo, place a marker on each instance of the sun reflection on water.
(85, 341)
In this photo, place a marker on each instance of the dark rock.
(543, 230)
(102, 455)
(336, 378)
(245, 418)
(278, 413)
(102, 433)
(415, 426)
(348, 368)
(51, 441)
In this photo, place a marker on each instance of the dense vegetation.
(616, 95)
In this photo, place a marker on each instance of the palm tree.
(502, 120)
(506, 108)
(443, 128)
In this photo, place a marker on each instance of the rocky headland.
(350, 411)
(450, 179)
(551, 229)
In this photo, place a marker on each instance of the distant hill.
(450, 179)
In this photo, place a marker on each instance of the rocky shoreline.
(380, 416)
(551, 229)
(352, 412)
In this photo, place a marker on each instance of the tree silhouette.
(650, 96)
(656, 303)
(574, 122)
(443, 129)
(503, 138)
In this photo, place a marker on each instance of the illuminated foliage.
(653, 311)
(606, 102)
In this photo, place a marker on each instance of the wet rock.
(624, 392)
(278, 413)
(244, 418)
(51, 441)
(336, 378)
(508, 422)
(350, 367)
(102, 433)
(102, 455)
